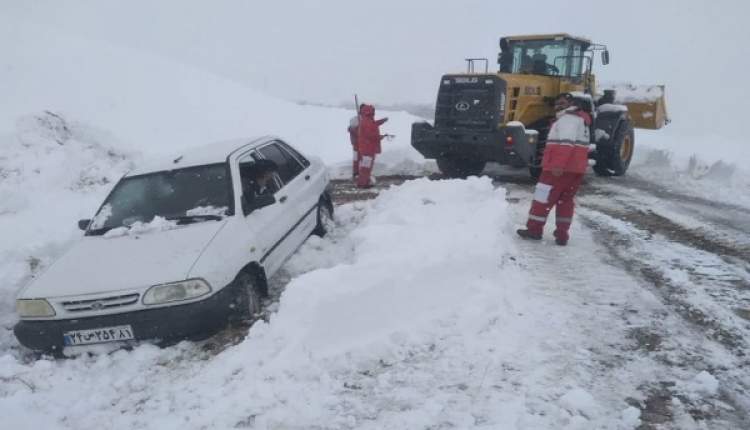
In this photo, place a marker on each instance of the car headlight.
(175, 292)
(34, 308)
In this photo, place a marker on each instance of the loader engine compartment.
(470, 102)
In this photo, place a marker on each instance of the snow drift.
(153, 105)
(372, 338)
(712, 167)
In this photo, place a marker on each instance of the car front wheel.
(325, 217)
(251, 297)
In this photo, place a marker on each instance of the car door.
(266, 227)
(312, 188)
(294, 196)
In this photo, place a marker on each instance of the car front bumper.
(186, 321)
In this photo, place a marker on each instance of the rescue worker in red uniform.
(563, 166)
(368, 143)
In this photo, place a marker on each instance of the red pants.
(355, 163)
(366, 163)
(558, 191)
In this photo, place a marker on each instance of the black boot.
(526, 234)
(561, 241)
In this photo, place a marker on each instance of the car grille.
(100, 303)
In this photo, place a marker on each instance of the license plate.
(98, 335)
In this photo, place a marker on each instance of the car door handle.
(307, 177)
(282, 199)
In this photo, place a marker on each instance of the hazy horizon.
(394, 52)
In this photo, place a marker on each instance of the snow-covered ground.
(711, 166)
(368, 336)
(420, 311)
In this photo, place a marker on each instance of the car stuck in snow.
(179, 249)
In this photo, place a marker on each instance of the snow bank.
(414, 311)
(708, 163)
(53, 172)
(381, 305)
(712, 167)
(156, 106)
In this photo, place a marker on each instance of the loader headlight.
(34, 308)
(175, 292)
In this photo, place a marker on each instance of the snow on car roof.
(211, 153)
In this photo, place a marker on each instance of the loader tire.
(455, 167)
(614, 159)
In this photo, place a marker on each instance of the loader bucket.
(645, 103)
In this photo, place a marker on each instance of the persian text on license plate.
(98, 335)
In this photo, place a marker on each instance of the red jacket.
(368, 132)
(568, 142)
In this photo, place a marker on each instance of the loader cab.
(559, 55)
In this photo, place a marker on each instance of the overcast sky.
(396, 50)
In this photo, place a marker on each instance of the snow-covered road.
(667, 274)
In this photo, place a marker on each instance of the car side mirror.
(84, 224)
(252, 203)
(605, 57)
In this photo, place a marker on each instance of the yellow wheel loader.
(504, 117)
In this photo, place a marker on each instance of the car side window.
(289, 167)
(305, 162)
(249, 177)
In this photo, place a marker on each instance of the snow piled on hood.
(139, 228)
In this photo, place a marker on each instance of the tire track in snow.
(711, 343)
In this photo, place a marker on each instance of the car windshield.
(186, 195)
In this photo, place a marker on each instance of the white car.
(179, 249)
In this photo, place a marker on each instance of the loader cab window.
(543, 57)
(575, 60)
